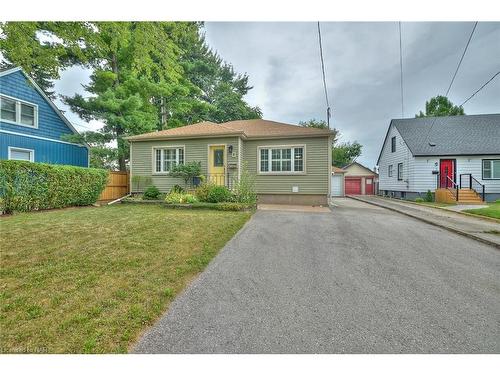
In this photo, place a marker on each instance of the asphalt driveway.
(360, 279)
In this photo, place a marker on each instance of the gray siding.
(314, 181)
(424, 179)
(141, 156)
(402, 155)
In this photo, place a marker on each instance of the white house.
(454, 152)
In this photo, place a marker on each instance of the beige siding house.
(290, 164)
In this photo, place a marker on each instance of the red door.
(353, 186)
(446, 169)
(369, 186)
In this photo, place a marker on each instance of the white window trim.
(153, 157)
(390, 170)
(400, 172)
(278, 173)
(18, 112)
(491, 168)
(31, 151)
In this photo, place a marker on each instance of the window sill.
(282, 173)
(19, 124)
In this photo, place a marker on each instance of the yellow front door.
(216, 165)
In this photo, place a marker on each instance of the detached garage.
(359, 180)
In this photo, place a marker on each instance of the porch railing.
(469, 182)
(223, 179)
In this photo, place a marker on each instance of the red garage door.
(353, 186)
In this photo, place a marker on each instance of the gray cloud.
(362, 63)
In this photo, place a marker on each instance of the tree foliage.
(440, 106)
(313, 123)
(145, 75)
(101, 154)
(345, 153)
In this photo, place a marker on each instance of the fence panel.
(117, 187)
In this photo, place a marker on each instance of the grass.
(493, 210)
(90, 280)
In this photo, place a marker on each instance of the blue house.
(31, 126)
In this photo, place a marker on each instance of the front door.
(446, 169)
(216, 162)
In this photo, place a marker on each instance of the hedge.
(27, 186)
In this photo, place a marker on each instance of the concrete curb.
(481, 217)
(454, 230)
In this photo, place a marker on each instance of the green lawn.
(493, 210)
(92, 279)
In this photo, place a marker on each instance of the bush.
(186, 171)
(218, 194)
(202, 191)
(180, 198)
(27, 186)
(244, 188)
(419, 200)
(151, 193)
(177, 189)
(429, 197)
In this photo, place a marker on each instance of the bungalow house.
(456, 156)
(31, 126)
(290, 164)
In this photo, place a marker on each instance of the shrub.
(202, 191)
(419, 200)
(218, 194)
(173, 198)
(151, 192)
(244, 188)
(429, 197)
(186, 171)
(177, 189)
(27, 186)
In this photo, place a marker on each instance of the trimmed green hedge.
(27, 186)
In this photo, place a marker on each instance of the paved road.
(361, 279)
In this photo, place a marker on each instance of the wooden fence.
(117, 187)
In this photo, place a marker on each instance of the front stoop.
(465, 196)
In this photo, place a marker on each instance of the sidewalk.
(478, 229)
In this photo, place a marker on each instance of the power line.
(479, 89)
(328, 114)
(461, 58)
(401, 71)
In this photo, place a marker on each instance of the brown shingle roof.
(244, 128)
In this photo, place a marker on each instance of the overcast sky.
(362, 68)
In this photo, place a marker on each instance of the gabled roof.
(242, 128)
(45, 97)
(360, 165)
(450, 135)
